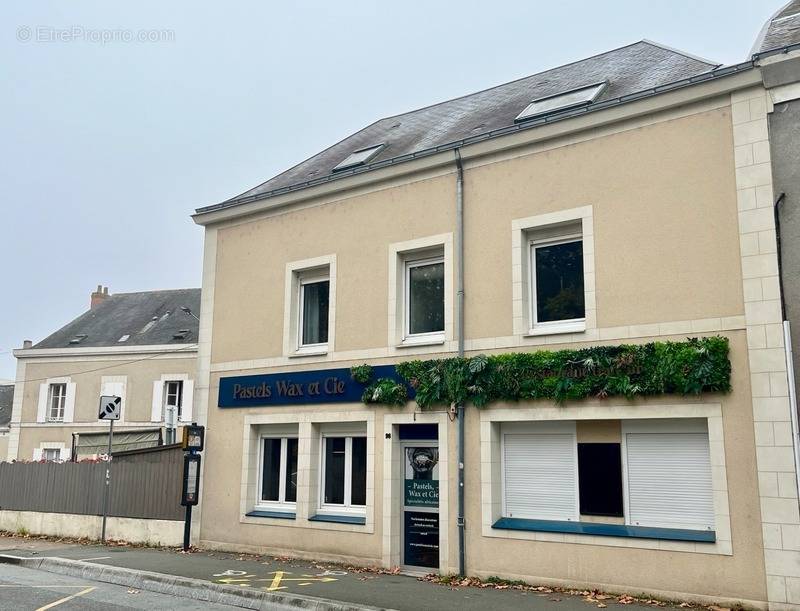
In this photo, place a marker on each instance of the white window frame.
(409, 264)
(347, 507)
(560, 225)
(539, 242)
(166, 395)
(281, 503)
(303, 279)
(56, 450)
(302, 272)
(567, 427)
(62, 399)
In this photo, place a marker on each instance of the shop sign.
(421, 539)
(420, 493)
(298, 387)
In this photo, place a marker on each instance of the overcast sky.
(108, 144)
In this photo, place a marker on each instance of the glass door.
(421, 504)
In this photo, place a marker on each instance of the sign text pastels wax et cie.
(298, 387)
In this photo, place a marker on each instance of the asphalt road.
(24, 589)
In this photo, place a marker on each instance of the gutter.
(712, 75)
(460, 332)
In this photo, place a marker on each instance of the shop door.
(421, 504)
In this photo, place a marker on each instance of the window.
(659, 476)
(56, 402)
(314, 303)
(540, 475)
(278, 470)
(669, 480)
(557, 294)
(51, 454)
(173, 401)
(600, 479)
(424, 292)
(562, 101)
(344, 472)
(360, 157)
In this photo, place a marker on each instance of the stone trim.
(780, 517)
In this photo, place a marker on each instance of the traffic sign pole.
(108, 480)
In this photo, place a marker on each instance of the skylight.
(561, 101)
(124, 338)
(360, 157)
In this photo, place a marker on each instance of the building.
(6, 400)
(141, 347)
(622, 200)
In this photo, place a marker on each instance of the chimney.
(26, 344)
(98, 297)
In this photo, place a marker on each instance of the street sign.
(193, 437)
(110, 408)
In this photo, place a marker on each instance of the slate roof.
(781, 30)
(630, 69)
(131, 314)
(6, 399)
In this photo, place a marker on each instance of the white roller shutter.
(540, 474)
(669, 480)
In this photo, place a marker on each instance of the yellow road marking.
(66, 599)
(276, 582)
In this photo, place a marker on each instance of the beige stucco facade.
(658, 188)
(89, 373)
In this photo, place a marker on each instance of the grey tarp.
(97, 443)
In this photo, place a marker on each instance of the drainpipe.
(460, 334)
(787, 345)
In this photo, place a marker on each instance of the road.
(24, 589)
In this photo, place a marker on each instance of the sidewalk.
(321, 580)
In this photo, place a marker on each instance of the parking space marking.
(98, 558)
(66, 599)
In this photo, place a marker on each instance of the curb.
(183, 587)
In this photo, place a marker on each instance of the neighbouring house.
(141, 347)
(604, 232)
(6, 400)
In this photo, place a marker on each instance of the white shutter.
(69, 404)
(114, 389)
(66, 454)
(187, 400)
(669, 480)
(41, 409)
(540, 476)
(37, 454)
(156, 414)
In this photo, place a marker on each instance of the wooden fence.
(144, 484)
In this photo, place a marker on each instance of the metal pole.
(187, 528)
(460, 330)
(108, 481)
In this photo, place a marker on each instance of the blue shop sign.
(298, 387)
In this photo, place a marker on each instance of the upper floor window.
(173, 401)
(314, 300)
(557, 292)
(424, 298)
(51, 454)
(56, 402)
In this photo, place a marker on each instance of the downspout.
(460, 336)
(787, 345)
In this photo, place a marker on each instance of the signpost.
(110, 409)
(193, 442)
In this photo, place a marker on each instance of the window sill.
(260, 513)
(301, 352)
(577, 327)
(339, 519)
(606, 530)
(437, 340)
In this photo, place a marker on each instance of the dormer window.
(78, 338)
(357, 158)
(562, 101)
